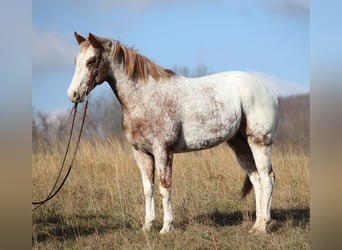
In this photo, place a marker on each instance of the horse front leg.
(145, 163)
(163, 163)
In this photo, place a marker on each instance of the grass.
(102, 204)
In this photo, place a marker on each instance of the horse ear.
(94, 41)
(80, 39)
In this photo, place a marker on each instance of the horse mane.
(137, 66)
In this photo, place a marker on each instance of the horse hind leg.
(245, 158)
(264, 179)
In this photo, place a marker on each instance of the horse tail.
(246, 188)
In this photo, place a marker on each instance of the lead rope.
(53, 192)
(90, 86)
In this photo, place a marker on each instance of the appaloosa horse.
(165, 113)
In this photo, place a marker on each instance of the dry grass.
(101, 205)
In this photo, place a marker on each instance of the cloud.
(291, 8)
(127, 3)
(281, 87)
(288, 7)
(140, 4)
(50, 52)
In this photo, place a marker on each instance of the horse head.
(91, 67)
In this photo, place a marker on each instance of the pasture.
(101, 206)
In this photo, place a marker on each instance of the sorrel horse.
(165, 113)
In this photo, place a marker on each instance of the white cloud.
(293, 8)
(281, 87)
(50, 51)
(289, 7)
(127, 3)
(54, 114)
(140, 4)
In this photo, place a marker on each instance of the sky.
(270, 39)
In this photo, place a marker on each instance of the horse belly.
(203, 130)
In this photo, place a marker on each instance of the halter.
(94, 73)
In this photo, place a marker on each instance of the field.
(101, 206)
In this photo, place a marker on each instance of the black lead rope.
(90, 86)
(54, 192)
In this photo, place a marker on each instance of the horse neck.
(125, 89)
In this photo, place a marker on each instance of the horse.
(164, 113)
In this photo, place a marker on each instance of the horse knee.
(149, 190)
(255, 179)
(165, 192)
(268, 177)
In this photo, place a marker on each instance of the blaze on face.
(87, 66)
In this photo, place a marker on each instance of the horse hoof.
(165, 230)
(258, 231)
(147, 227)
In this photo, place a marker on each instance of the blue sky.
(268, 38)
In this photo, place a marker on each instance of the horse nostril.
(75, 96)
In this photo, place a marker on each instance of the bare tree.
(181, 70)
(199, 70)
(41, 130)
(104, 117)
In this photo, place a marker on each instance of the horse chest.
(142, 130)
(138, 131)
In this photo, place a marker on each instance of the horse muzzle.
(75, 96)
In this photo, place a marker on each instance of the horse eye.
(90, 61)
